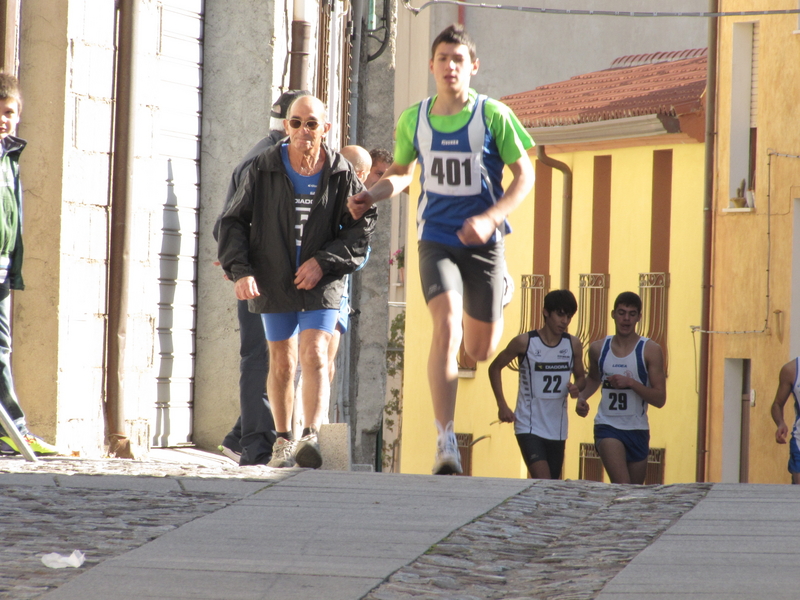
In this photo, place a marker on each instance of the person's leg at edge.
(8, 396)
(612, 453)
(796, 478)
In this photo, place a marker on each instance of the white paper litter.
(56, 561)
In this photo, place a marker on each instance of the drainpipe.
(355, 70)
(566, 212)
(708, 227)
(301, 44)
(9, 12)
(120, 235)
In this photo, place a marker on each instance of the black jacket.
(256, 234)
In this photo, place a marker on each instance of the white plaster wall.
(244, 52)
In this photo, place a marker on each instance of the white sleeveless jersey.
(796, 395)
(622, 408)
(544, 373)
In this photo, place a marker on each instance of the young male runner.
(631, 371)
(788, 384)
(547, 358)
(462, 140)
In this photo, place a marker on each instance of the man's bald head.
(359, 158)
(308, 103)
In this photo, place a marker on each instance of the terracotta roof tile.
(662, 88)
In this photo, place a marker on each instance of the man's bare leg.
(280, 389)
(316, 394)
(333, 348)
(316, 384)
(280, 381)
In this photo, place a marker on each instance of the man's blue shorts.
(794, 455)
(636, 441)
(282, 326)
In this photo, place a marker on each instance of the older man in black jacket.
(287, 241)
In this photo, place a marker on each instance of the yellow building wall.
(753, 245)
(674, 426)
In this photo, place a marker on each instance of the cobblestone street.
(37, 520)
(554, 541)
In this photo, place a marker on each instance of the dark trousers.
(254, 431)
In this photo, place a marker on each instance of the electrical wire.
(600, 13)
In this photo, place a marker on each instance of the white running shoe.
(282, 454)
(448, 458)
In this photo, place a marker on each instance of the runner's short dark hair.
(628, 299)
(455, 34)
(561, 300)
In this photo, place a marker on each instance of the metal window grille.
(532, 291)
(324, 46)
(655, 467)
(590, 467)
(465, 450)
(593, 311)
(654, 289)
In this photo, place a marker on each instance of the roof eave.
(600, 131)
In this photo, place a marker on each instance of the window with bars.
(592, 307)
(654, 290)
(532, 292)
(590, 466)
(465, 451)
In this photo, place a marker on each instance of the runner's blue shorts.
(636, 441)
(282, 326)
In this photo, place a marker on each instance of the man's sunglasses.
(298, 123)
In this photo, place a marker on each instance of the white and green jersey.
(462, 158)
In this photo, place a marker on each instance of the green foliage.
(396, 347)
(393, 410)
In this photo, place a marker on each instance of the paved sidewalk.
(208, 530)
(318, 534)
(739, 542)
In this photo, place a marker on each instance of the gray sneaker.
(282, 451)
(307, 454)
